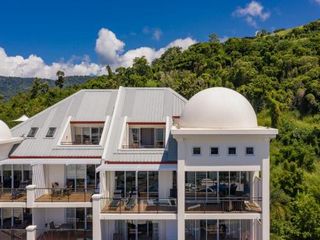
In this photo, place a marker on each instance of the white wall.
(39, 219)
(165, 183)
(55, 173)
(260, 145)
(57, 215)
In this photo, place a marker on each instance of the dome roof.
(5, 133)
(218, 107)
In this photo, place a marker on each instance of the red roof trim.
(128, 162)
(54, 157)
(146, 123)
(86, 122)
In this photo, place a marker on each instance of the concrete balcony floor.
(72, 197)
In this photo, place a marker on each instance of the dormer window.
(83, 133)
(51, 132)
(33, 131)
(145, 136)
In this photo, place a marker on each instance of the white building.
(137, 163)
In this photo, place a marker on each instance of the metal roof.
(142, 105)
(85, 105)
(116, 107)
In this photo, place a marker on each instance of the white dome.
(218, 107)
(5, 132)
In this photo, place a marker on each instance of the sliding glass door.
(206, 186)
(145, 183)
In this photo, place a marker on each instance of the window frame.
(250, 154)
(214, 154)
(232, 154)
(35, 129)
(196, 154)
(53, 133)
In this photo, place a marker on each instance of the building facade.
(137, 163)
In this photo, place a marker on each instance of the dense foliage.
(278, 72)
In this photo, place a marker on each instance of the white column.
(181, 190)
(31, 232)
(30, 195)
(96, 222)
(265, 199)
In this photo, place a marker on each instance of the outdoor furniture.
(252, 206)
(117, 195)
(192, 207)
(52, 226)
(132, 201)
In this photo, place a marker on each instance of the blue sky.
(66, 31)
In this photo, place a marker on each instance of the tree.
(60, 81)
(213, 38)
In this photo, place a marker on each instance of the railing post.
(31, 232)
(30, 195)
(96, 210)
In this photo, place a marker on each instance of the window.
(33, 131)
(146, 137)
(51, 132)
(249, 151)
(214, 151)
(134, 137)
(196, 151)
(86, 135)
(232, 151)
(159, 137)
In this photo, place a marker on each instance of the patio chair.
(116, 200)
(132, 201)
(52, 226)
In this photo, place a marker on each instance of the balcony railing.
(63, 233)
(13, 195)
(139, 205)
(134, 145)
(12, 233)
(63, 195)
(70, 143)
(231, 204)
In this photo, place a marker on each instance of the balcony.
(64, 233)
(231, 204)
(63, 195)
(13, 233)
(83, 133)
(144, 136)
(139, 205)
(13, 195)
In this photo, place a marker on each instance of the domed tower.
(6, 140)
(223, 167)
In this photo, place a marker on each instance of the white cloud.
(34, 66)
(108, 47)
(317, 1)
(115, 55)
(253, 11)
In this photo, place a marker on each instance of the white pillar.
(31, 232)
(181, 189)
(30, 195)
(265, 199)
(96, 222)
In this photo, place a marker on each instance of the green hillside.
(10, 86)
(278, 72)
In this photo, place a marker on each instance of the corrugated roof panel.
(143, 105)
(84, 105)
